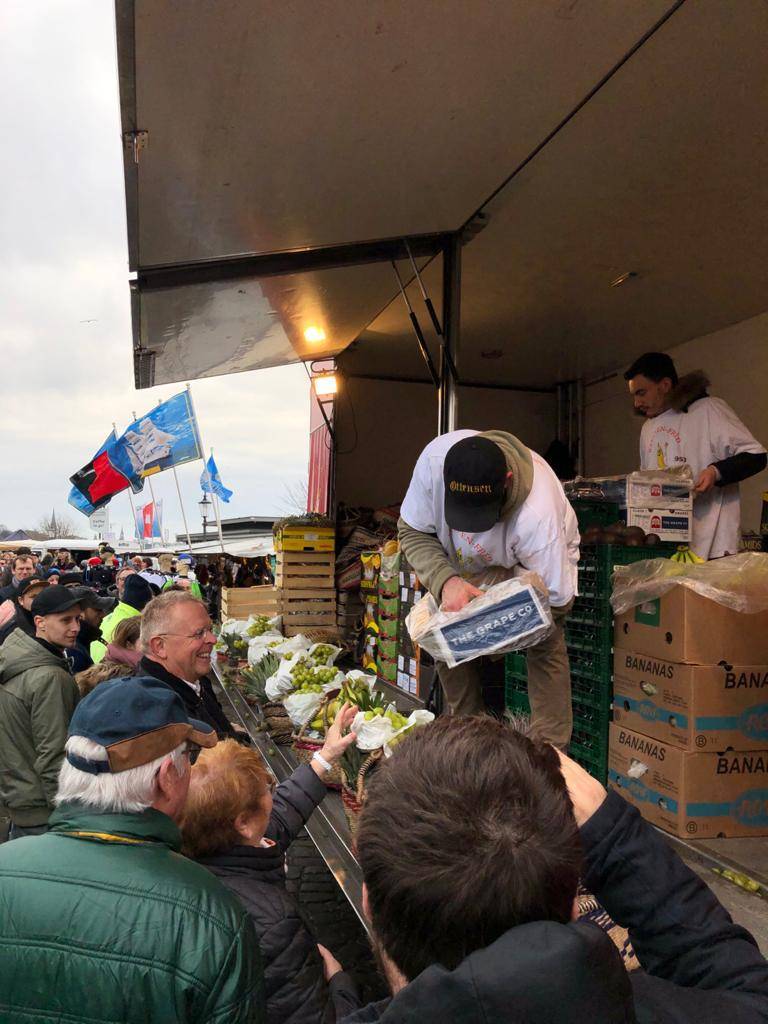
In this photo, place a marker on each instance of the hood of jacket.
(536, 972)
(688, 389)
(261, 863)
(21, 652)
(519, 463)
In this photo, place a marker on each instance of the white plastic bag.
(415, 719)
(331, 658)
(302, 707)
(280, 683)
(509, 616)
(373, 734)
(739, 582)
(259, 647)
(293, 645)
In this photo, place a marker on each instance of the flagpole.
(205, 465)
(178, 488)
(181, 506)
(133, 507)
(215, 505)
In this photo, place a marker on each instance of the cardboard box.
(683, 626)
(691, 794)
(671, 525)
(644, 494)
(370, 566)
(695, 707)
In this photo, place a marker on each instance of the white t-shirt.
(541, 535)
(709, 432)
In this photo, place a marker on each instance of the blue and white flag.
(167, 436)
(210, 481)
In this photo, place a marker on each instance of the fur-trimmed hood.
(688, 389)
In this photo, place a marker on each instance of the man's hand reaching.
(586, 793)
(456, 593)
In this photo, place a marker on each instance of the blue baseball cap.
(137, 719)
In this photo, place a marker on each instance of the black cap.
(475, 477)
(31, 581)
(137, 592)
(137, 719)
(66, 579)
(90, 599)
(54, 600)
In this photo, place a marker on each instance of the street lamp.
(204, 505)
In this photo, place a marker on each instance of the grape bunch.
(309, 678)
(259, 626)
(397, 720)
(322, 653)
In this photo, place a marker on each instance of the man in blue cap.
(103, 920)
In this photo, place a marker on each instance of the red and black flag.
(99, 480)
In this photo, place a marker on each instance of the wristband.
(317, 756)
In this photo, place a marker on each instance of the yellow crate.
(305, 538)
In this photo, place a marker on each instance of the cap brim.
(472, 519)
(202, 734)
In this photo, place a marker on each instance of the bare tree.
(295, 498)
(57, 526)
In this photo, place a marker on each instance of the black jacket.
(295, 987)
(80, 655)
(699, 967)
(206, 707)
(21, 620)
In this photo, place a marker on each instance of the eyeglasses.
(197, 635)
(193, 752)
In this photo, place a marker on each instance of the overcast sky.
(65, 330)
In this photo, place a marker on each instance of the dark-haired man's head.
(651, 378)
(23, 567)
(468, 831)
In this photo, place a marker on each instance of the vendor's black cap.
(54, 600)
(475, 476)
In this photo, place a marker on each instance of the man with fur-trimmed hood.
(684, 424)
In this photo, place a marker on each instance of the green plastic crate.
(515, 664)
(590, 691)
(594, 513)
(598, 561)
(595, 764)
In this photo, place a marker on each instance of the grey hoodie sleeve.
(427, 556)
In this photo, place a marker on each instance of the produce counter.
(327, 827)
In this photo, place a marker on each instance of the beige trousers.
(549, 686)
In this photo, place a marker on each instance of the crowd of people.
(144, 875)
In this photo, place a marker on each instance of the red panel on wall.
(319, 470)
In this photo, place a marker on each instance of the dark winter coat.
(22, 620)
(104, 921)
(204, 707)
(37, 698)
(296, 990)
(80, 655)
(699, 967)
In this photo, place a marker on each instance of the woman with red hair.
(239, 826)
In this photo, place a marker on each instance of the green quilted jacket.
(104, 921)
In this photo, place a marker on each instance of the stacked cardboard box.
(389, 606)
(689, 739)
(415, 668)
(369, 595)
(349, 615)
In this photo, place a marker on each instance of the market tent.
(253, 547)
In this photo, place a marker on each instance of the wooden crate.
(240, 603)
(305, 537)
(305, 570)
(303, 609)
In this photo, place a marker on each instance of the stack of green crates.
(589, 636)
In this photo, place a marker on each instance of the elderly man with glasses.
(177, 642)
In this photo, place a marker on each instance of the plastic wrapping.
(302, 707)
(379, 731)
(331, 658)
(676, 482)
(510, 616)
(739, 582)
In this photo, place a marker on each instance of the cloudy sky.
(65, 331)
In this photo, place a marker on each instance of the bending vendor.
(479, 501)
